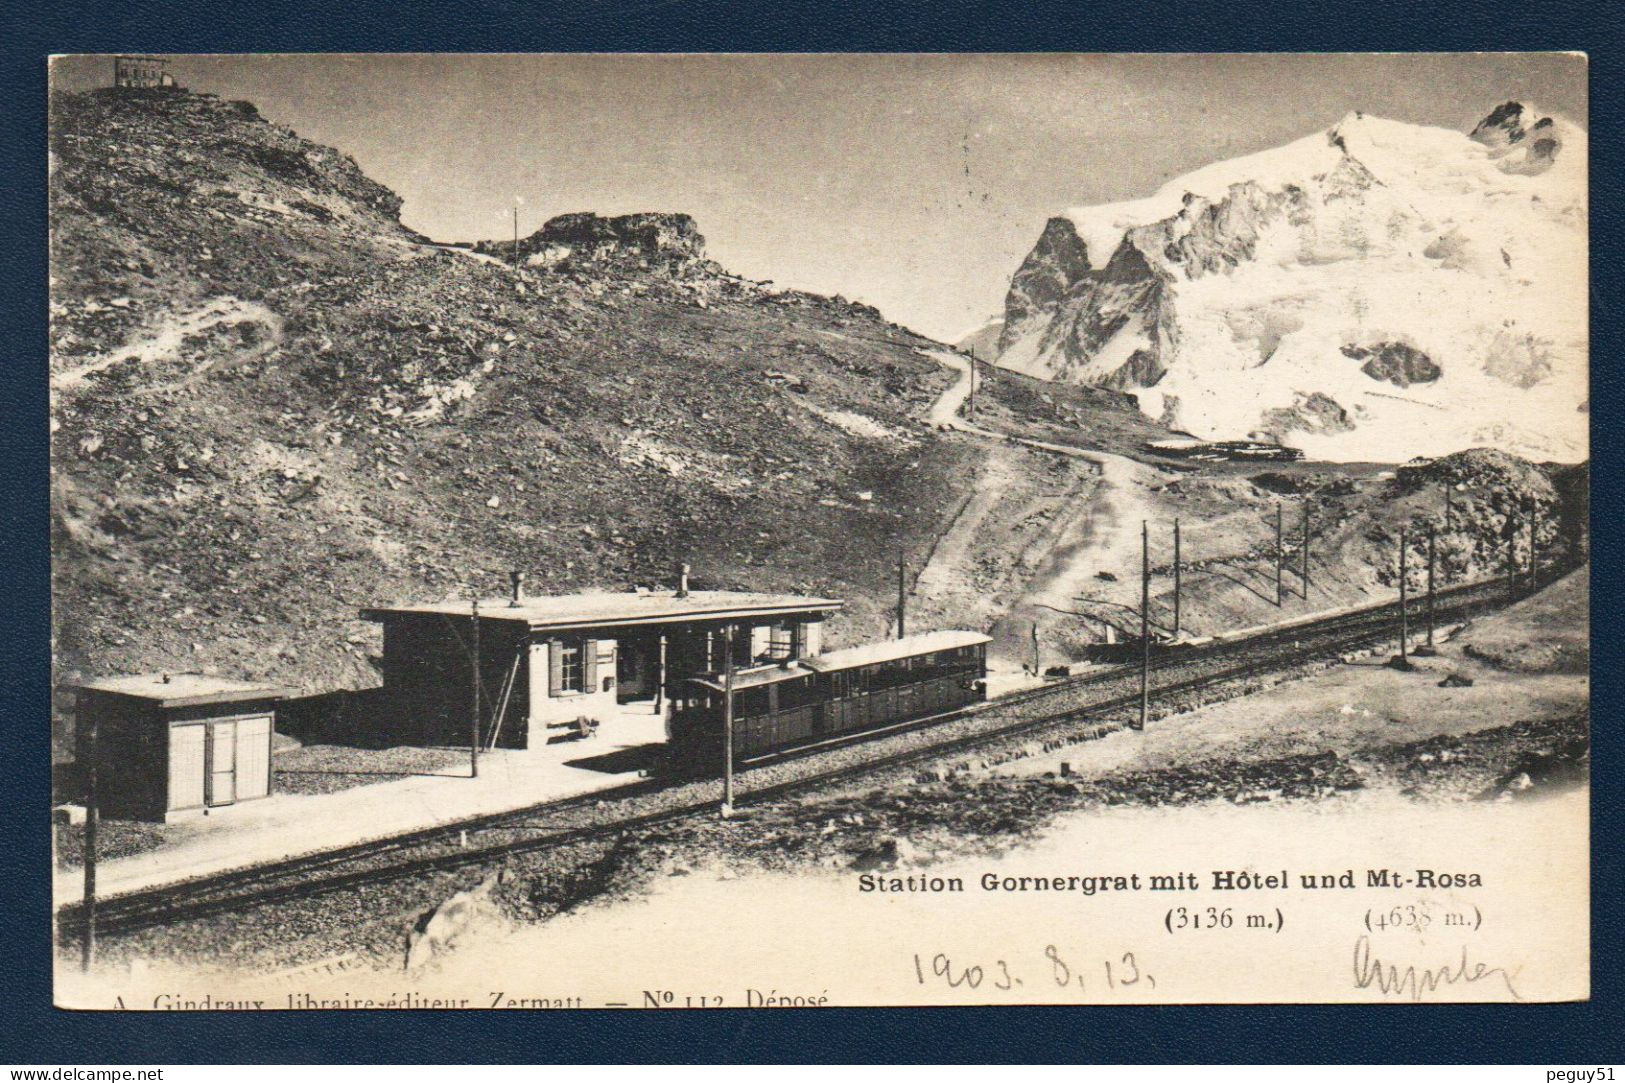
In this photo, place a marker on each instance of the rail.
(382, 861)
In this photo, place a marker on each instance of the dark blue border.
(32, 1031)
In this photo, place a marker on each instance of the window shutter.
(589, 666)
(555, 666)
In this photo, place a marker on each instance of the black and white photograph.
(633, 531)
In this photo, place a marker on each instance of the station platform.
(291, 825)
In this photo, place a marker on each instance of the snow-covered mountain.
(1376, 291)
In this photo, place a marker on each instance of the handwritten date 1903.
(1082, 974)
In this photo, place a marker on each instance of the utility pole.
(972, 404)
(660, 679)
(1512, 555)
(1176, 579)
(1534, 565)
(1280, 555)
(1428, 649)
(474, 698)
(87, 947)
(902, 593)
(516, 236)
(1306, 551)
(728, 721)
(1404, 595)
(1145, 623)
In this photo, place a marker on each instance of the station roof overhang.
(572, 612)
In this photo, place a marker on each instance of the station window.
(781, 641)
(572, 668)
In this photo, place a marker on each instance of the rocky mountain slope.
(1477, 501)
(273, 404)
(1372, 292)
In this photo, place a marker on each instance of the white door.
(253, 757)
(186, 766)
(222, 763)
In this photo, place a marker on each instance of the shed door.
(253, 757)
(222, 763)
(186, 766)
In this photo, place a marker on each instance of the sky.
(916, 183)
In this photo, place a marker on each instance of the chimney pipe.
(517, 580)
(682, 580)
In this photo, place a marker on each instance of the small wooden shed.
(168, 745)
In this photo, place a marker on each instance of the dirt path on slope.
(482, 257)
(164, 340)
(945, 411)
(1096, 531)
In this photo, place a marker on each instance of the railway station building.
(550, 665)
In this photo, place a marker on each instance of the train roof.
(890, 650)
(870, 654)
(755, 678)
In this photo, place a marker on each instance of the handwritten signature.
(1413, 982)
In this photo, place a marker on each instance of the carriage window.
(797, 693)
(751, 701)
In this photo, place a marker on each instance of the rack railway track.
(592, 816)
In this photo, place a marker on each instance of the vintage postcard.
(670, 532)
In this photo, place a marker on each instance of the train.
(842, 692)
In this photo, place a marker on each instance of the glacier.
(1373, 292)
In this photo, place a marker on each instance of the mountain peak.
(1522, 139)
(1503, 126)
(1375, 290)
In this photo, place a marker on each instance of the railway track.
(593, 816)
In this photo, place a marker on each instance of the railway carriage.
(842, 692)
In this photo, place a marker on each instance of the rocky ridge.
(274, 404)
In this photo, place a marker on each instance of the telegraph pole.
(474, 708)
(1512, 555)
(1145, 623)
(1306, 550)
(1428, 649)
(516, 236)
(1432, 537)
(1534, 565)
(728, 722)
(1280, 555)
(972, 404)
(1176, 578)
(1404, 614)
(902, 593)
(87, 947)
